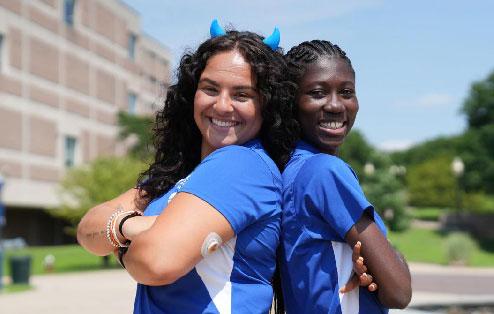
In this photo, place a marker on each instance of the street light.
(458, 167)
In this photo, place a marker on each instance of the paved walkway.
(112, 291)
(106, 291)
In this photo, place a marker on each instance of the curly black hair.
(177, 139)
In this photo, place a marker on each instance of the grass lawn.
(427, 213)
(16, 288)
(67, 258)
(428, 246)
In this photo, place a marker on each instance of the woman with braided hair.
(325, 212)
(212, 198)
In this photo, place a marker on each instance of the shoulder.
(252, 158)
(322, 165)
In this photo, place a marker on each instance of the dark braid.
(310, 51)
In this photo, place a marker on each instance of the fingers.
(351, 284)
(356, 251)
(372, 287)
(359, 267)
(365, 279)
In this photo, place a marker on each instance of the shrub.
(459, 248)
(479, 203)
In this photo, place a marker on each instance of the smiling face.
(227, 107)
(327, 103)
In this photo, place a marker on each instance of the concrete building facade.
(67, 67)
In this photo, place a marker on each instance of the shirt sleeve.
(330, 188)
(238, 183)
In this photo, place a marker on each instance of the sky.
(415, 60)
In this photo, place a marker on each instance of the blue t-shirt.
(244, 185)
(322, 200)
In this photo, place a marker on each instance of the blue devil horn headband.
(272, 41)
(216, 30)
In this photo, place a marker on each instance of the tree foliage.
(382, 188)
(99, 181)
(432, 183)
(386, 192)
(479, 106)
(356, 151)
(140, 128)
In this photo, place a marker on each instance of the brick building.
(66, 68)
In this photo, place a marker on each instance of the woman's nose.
(224, 103)
(334, 104)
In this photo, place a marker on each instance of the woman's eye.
(242, 97)
(317, 93)
(209, 90)
(347, 93)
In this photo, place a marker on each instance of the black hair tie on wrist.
(120, 225)
(121, 252)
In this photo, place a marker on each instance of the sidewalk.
(112, 291)
(105, 291)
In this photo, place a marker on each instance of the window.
(132, 99)
(132, 46)
(68, 12)
(70, 145)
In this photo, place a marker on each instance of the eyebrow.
(239, 87)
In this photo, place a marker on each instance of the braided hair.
(308, 52)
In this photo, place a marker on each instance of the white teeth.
(222, 123)
(331, 125)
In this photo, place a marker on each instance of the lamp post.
(458, 167)
(2, 223)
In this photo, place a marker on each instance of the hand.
(135, 225)
(360, 276)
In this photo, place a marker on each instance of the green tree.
(141, 129)
(382, 187)
(432, 183)
(479, 106)
(386, 192)
(356, 151)
(94, 183)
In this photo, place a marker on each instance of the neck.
(205, 150)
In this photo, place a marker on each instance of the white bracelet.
(114, 227)
(109, 225)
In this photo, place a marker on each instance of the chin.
(330, 147)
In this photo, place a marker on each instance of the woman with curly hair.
(224, 133)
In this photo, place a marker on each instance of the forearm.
(148, 262)
(388, 268)
(392, 275)
(91, 231)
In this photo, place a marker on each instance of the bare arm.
(388, 268)
(91, 231)
(172, 246)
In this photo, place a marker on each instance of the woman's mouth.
(223, 123)
(332, 125)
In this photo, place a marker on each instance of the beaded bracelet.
(109, 226)
(114, 228)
